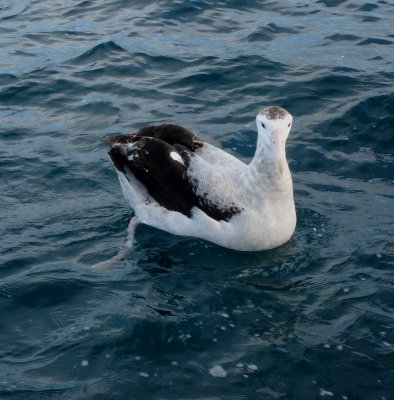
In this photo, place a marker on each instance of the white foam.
(324, 392)
(218, 372)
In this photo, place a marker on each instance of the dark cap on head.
(274, 112)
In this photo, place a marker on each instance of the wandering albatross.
(177, 182)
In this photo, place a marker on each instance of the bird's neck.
(264, 155)
(264, 162)
(263, 172)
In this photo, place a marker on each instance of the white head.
(273, 126)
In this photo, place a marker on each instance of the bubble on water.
(218, 372)
(225, 315)
(174, 363)
(339, 347)
(84, 363)
(379, 255)
(231, 325)
(327, 346)
(144, 374)
(239, 365)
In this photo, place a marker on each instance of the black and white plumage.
(177, 182)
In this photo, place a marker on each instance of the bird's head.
(273, 125)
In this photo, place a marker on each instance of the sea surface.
(180, 318)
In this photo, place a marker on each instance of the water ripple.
(279, 324)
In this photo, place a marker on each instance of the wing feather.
(154, 154)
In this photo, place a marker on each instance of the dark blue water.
(311, 319)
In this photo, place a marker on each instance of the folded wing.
(159, 157)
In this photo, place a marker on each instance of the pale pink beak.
(278, 145)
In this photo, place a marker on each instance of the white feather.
(176, 157)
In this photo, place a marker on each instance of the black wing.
(158, 157)
(169, 133)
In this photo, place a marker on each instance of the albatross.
(177, 182)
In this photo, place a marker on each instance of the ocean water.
(181, 318)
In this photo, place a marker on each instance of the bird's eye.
(289, 125)
(263, 125)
